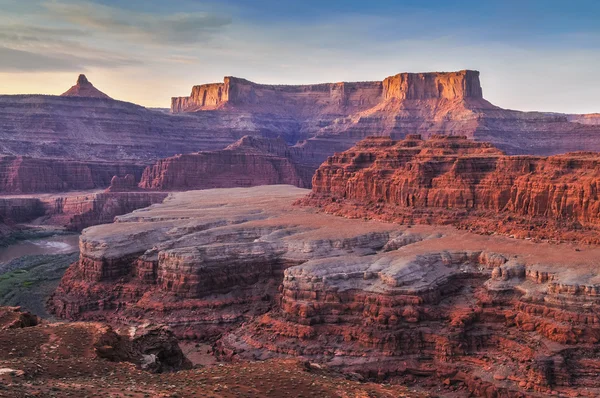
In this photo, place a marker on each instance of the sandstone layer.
(248, 162)
(453, 180)
(423, 305)
(20, 174)
(73, 211)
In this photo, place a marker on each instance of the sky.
(532, 55)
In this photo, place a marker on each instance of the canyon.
(427, 306)
(87, 130)
(447, 246)
(72, 211)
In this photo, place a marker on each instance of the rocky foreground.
(430, 306)
(39, 359)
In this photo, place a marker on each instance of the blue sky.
(533, 55)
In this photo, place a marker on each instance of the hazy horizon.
(533, 56)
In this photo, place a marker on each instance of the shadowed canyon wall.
(248, 162)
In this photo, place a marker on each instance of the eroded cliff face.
(430, 306)
(19, 174)
(453, 180)
(74, 211)
(248, 162)
(326, 118)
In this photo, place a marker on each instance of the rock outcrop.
(123, 184)
(453, 180)
(248, 162)
(328, 118)
(20, 174)
(14, 318)
(152, 348)
(74, 211)
(83, 88)
(430, 306)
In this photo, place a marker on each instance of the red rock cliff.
(331, 97)
(20, 174)
(455, 180)
(248, 162)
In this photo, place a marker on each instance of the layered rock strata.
(330, 97)
(428, 305)
(331, 117)
(453, 180)
(248, 162)
(317, 120)
(76, 210)
(19, 174)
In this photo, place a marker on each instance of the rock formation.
(431, 306)
(329, 98)
(248, 162)
(328, 118)
(74, 211)
(13, 318)
(317, 120)
(19, 174)
(152, 347)
(122, 184)
(453, 180)
(83, 88)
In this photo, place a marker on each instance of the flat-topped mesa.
(447, 85)
(83, 88)
(328, 97)
(453, 180)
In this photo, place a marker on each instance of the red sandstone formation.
(83, 88)
(248, 162)
(19, 174)
(452, 180)
(122, 184)
(329, 98)
(13, 318)
(74, 211)
(428, 306)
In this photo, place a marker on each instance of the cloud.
(177, 28)
(25, 61)
(13, 60)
